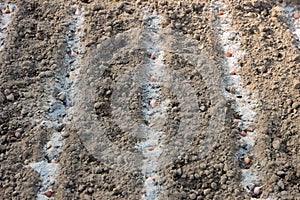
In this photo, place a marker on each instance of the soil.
(110, 95)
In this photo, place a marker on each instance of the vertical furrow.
(60, 102)
(245, 101)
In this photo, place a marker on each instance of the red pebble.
(244, 133)
(296, 15)
(153, 57)
(152, 79)
(233, 73)
(48, 193)
(228, 54)
(150, 148)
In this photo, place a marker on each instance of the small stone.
(90, 190)
(256, 3)
(97, 105)
(203, 166)
(233, 73)
(10, 97)
(178, 25)
(244, 133)
(228, 54)
(18, 134)
(153, 57)
(7, 92)
(61, 96)
(202, 108)
(297, 15)
(153, 79)
(280, 173)
(281, 184)
(48, 193)
(214, 185)
(256, 191)
(206, 191)
(193, 196)
(296, 84)
(295, 105)
(231, 36)
(234, 131)
(223, 179)
(220, 12)
(54, 160)
(247, 161)
(153, 103)
(65, 134)
(179, 172)
(276, 144)
(197, 36)
(230, 173)
(7, 10)
(2, 148)
(231, 90)
(2, 98)
(150, 148)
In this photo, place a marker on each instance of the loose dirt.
(149, 99)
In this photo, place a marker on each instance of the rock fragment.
(10, 97)
(296, 84)
(2, 98)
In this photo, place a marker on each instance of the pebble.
(256, 3)
(220, 12)
(2, 98)
(48, 193)
(197, 36)
(231, 90)
(296, 15)
(234, 131)
(153, 103)
(244, 133)
(256, 190)
(10, 97)
(153, 57)
(203, 166)
(61, 96)
(202, 108)
(206, 191)
(281, 184)
(230, 173)
(280, 173)
(247, 160)
(150, 148)
(228, 54)
(233, 73)
(7, 10)
(276, 144)
(65, 134)
(231, 36)
(214, 186)
(193, 196)
(179, 172)
(296, 84)
(153, 79)
(97, 105)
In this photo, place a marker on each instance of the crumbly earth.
(33, 58)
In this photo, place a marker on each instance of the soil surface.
(149, 99)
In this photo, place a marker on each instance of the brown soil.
(33, 61)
